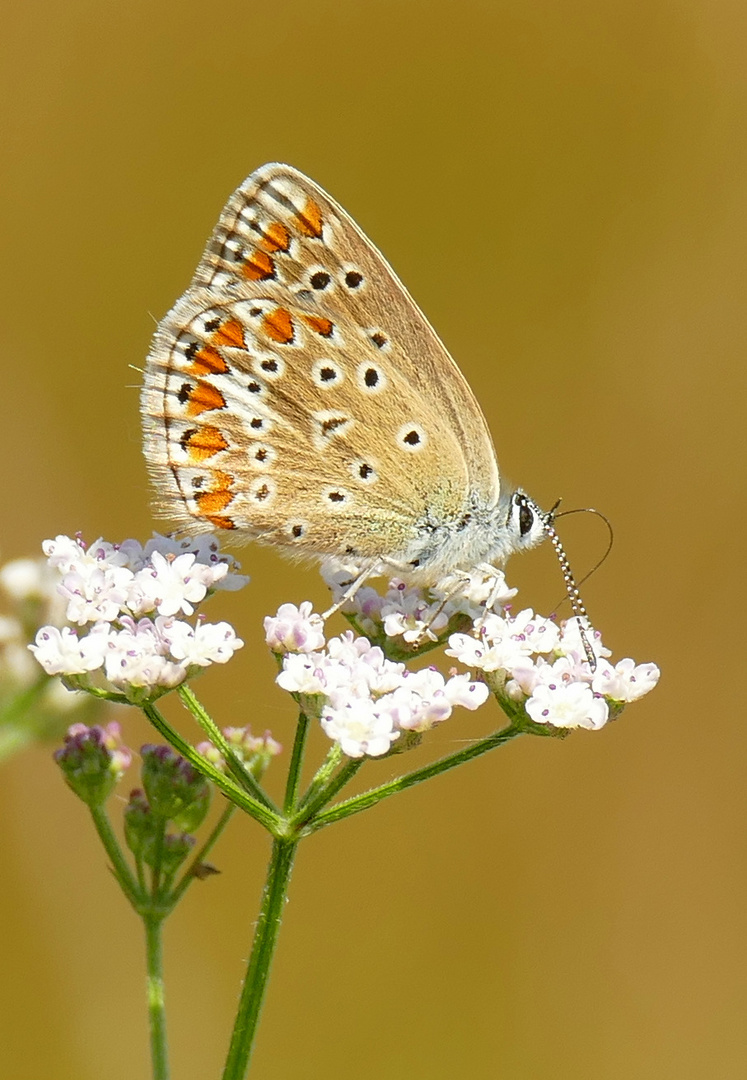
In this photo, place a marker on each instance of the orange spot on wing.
(204, 397)
(277, 237)
(221, 480)
(220, 522)
(320, 325)
(230, 333)
(258, 267)
(201, 443)
(208, 361)
(278, 325)
(212, 502)
(309, 220)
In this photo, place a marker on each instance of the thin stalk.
(155, 991)
(260, 812)
(120, 866)
(265, 940)
(375, 795)
(189, 874)
(242, 775)
(325, 794)
(296, 763)
(323, 774)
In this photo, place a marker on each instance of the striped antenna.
(574, 596)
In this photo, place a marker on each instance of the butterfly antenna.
(574, 596)
(607, 522)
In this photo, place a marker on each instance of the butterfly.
(296, 395)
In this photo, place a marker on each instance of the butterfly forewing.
(293, 393)
(281, 225)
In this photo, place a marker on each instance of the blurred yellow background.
(561, 184)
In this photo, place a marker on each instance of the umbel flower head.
(128, 607)
(366, 701)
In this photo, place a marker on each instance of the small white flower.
(63, 553)
(204, 644)
(61, 652)
(504, 642)
(303, 673)
(136, 656)
(626, 681)
(95, 592)
(475, 589)
(572, 643)
(406, 613)
(295, 629)
(567, 705)
(360, 727)
(175, 584)
(464, 691)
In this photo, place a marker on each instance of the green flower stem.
(218, 739)
(265, 940)
(120, 866)
(375, 795)
(155, 991)
(271, 821)
(189, 874)
(296, 763)
(323, 774)
(319, 798)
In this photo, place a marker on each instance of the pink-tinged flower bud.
(256, 751)
(294, 629)
(92, 760)
(176, 791)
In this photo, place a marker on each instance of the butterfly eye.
(526, 518)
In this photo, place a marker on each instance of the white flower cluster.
(544, 668)
(530, 662)
(127, 597)
(366, 700)
(408, 612)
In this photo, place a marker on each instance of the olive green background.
(562, 187)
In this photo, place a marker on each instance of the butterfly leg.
(495, 591)
(352, 587)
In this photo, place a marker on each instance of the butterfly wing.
(297, 394)
(282, 227)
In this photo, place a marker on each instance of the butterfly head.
(524, 524)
